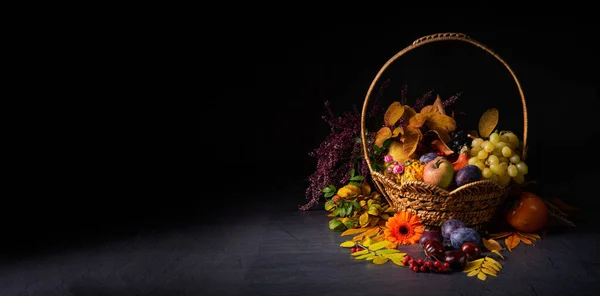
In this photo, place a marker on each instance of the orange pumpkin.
(529, 214)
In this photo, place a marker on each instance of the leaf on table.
(393, 113)
(398, 262)
(380, 260)
(353, 231)
(492, 260)
(383, 134)
(481, 276)
(389, 251)
(364, 256)
(488, 122)
(473, 273)
(367, 241)
(500, 235)
(530, 236)
(498, 253)
(379, 245)
(525, 239)
(348, 244)
(394, 256)
(488, 271)
(359, 253)
(393, 245)
(491, 244)
(512, 241)
(491, 266)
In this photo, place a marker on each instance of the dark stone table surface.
(269, 247)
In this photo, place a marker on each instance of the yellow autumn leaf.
(363, 220)
(393, 113)
(471, 266)
(374, 210)
(488, 122)
(491, 244)
(396, 150)
(512, 241)
(349, 190)
(412, 137)
(473, 273)
(379, 245)
(398, 262)
(417, 121)
(531, 236)
(440, 106)
(367, 241)
(380, 260)
(392, 245)
(384, 216)
(492, 260)
(498, 253)
(379, 237)
(353, 231)
(383, 134)
(390, 251)
(429, 110)
(364, 256)
(359, 253)
(488, 271)
(393, 256)
(491, 266)
(348, 244)
(441, 122)
(397, 131)
(365, 188)
(481, 276)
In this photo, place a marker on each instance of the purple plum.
(427, 157)
(467, 174)
(463, 235)
(450, 225)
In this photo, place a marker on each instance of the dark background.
(203, 120)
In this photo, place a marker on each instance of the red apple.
(439, 172)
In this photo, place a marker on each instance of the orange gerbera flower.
(404, 228)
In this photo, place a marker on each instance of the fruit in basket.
(529, 214)
(462, 160)
(468, 174)
(472, 250)
(457, 259)
(450, 225)
(413, 170)
(439, 172)
(434, 249)
(459, 139)
(430, 235)
(462, 235)
(427, 157)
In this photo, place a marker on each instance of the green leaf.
(348, 210)
(337, 211)
(329, 194)
(386, 143)
(352, 171)
(336, 225)
(350, 224)
(357, 178)
(356, 205)
(379, 245)
(355, 183)
(327, 189)
(358, 140)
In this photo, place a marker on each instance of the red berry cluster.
(420, 265)
(356, 249)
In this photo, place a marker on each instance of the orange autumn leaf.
(393, 113)
(397, 131)
(429, 110)
(524, 239)
(417, 121)
(512, 241)
(500, 235)
(409, 113)
(383, 134)
(440, 106)
(412, 137)
(491, 244)
(441, 122)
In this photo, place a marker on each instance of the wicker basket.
(474, 203)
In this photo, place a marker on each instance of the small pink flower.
(388, 158)
(398, 169)
(395, 163)
(390, 170)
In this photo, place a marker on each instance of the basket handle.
(435, 38)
